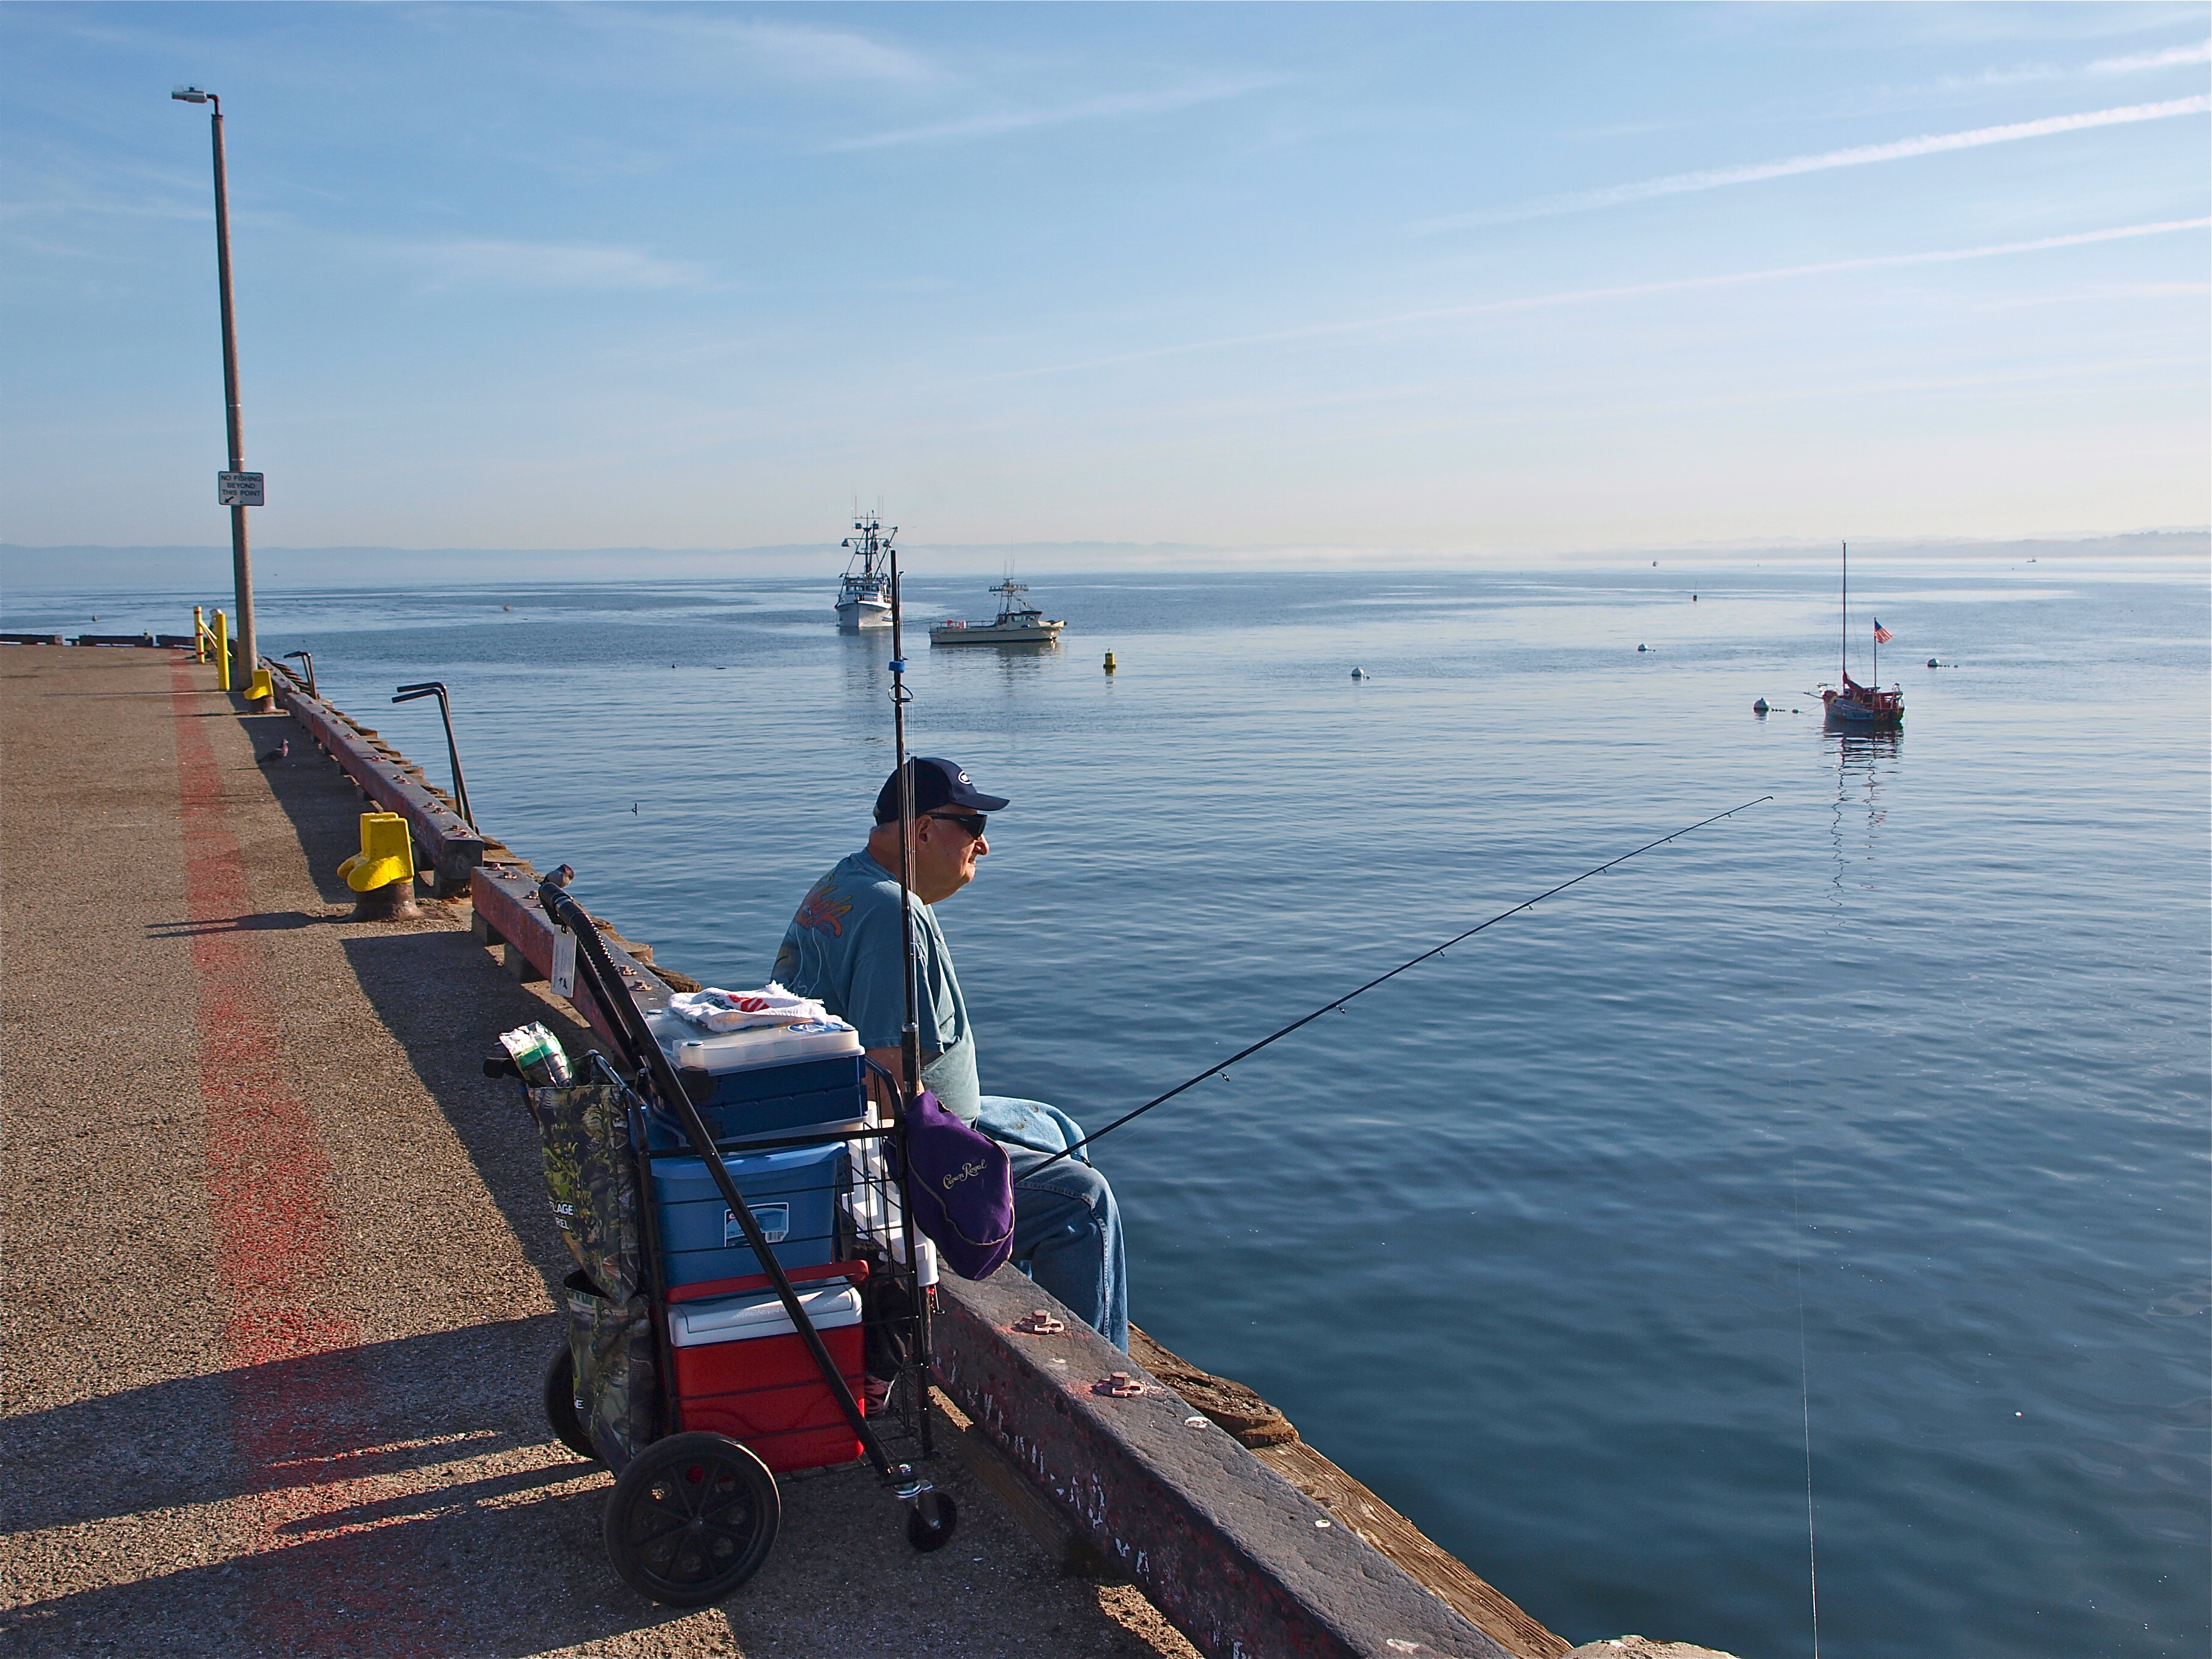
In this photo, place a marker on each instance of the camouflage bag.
(617, 1370)
(591, 1180)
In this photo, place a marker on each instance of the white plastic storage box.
(765, 1083)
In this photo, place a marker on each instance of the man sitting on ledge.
(843, 947)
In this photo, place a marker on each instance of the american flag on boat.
(1881, 634)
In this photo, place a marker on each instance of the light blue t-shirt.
(842, 947)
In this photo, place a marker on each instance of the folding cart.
(698, 1385)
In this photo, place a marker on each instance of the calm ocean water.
(1904, 1071)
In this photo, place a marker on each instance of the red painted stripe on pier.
(297, 1393)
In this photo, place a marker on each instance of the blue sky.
(1496, 278)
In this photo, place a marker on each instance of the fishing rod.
(910, 1033)
(909, 1081)
(1337, 1005)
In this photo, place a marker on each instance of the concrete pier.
(277, 1259)
(280, 1275)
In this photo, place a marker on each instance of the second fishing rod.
(1335, 1005)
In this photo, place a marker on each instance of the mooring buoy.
(1759, 708)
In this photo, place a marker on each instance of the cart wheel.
(692, 1518)
(930, 1522)
(561, 1405)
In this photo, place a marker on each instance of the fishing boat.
(1862, 707)
(1019, 623)
(864, 598)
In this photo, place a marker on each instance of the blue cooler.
(792, 1193)
(766, 1083)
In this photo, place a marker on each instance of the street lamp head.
(189, 95)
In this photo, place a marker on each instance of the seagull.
(633, 806)
(278, 753)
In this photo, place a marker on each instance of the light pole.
(242, 560)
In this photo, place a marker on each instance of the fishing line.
(1805, 1400)
(1337, 1005)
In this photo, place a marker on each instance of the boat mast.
(1846, 641)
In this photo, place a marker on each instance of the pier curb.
(1237, 1558)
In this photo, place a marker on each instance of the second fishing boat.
(1019, 623)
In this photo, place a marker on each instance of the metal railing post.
(437, 689)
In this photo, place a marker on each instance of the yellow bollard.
(386, 855)
(221, 651)
(383, 871)
(199, 634)
(259, 689)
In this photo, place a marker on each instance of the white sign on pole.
(562, 979)
(238, 490)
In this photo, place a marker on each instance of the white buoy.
(1643, 647)
(1359, 673)
(1932, 662)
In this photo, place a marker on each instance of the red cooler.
(742, 1370)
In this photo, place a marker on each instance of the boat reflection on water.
(1864, 760)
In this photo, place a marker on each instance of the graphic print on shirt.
(823, 910)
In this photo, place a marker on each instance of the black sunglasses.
(974, 822)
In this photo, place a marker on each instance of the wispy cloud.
(1631, 291)
(1679, 184)
(480, 262)
(2018, 74)
(797, 52)
(1119, 104)
(2171, 58)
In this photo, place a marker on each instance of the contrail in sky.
(1574, 296)
(1679, 184)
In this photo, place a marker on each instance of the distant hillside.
(207, 569)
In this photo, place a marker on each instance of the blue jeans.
(1068, 1227)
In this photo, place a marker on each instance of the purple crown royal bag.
(960, 1188)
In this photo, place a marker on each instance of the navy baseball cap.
(937, 782)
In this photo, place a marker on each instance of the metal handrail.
(437, 689)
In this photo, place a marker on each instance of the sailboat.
(864, 598)
(1862, 707)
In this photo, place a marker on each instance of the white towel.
(742, 1010)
